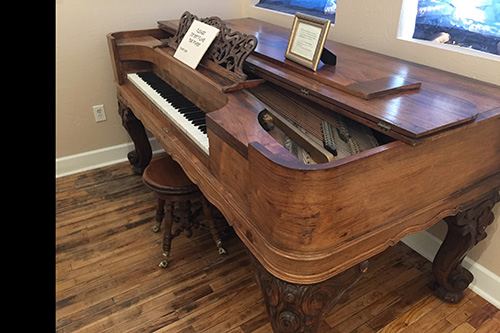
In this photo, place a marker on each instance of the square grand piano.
(316, 171)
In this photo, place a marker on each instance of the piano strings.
(315, 124)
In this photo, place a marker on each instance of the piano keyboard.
(186, 115)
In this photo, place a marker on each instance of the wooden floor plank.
(108, 279)
(464, 328)
(481, 316)
(465, 310)
(492, 325)
(435, 321)
(414, 313)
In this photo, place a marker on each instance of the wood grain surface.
(108, 279)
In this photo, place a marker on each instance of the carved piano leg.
(301, 308)
(141, 155)
(465, 230)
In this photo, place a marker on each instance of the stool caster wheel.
(156, 228)
(220, 248)
(164, 262)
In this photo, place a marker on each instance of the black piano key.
(189, 109)
(196, 118)
(184, 106)
(198, 122)
(192, 112)
(164, 89)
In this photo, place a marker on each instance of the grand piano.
(316, 171)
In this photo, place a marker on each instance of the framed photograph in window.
(307, 40)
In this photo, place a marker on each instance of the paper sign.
(195, 43)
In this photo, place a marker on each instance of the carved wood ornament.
(465, 230)
(140, 157)
(302, 307)
(229, 49)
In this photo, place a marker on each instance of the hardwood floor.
(108, 279)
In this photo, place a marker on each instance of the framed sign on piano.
(307, 40)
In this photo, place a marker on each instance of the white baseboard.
(98, 158)
(486, 284)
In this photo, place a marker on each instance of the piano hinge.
(384, 127)
(304, 91)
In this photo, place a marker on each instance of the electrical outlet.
(99, 113)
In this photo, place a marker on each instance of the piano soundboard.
(310, 132)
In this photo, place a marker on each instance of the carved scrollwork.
(229, 49)
(475, 220)
(140, 157)
(301, 308)
(465, 230)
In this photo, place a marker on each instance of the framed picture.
(307, 40)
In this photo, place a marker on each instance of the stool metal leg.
(207, 210)
(167, 237)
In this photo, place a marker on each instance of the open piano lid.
(405, 100)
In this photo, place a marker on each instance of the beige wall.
(84, 76)
(83, 69)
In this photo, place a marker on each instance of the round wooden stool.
(173, 188)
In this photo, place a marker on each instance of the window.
(468, 23)
(320, 8)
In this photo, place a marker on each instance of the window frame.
(406, 29)
(310, 12)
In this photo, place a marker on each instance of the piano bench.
(175, 193)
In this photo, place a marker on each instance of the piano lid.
(397, 96)
(405, 100)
